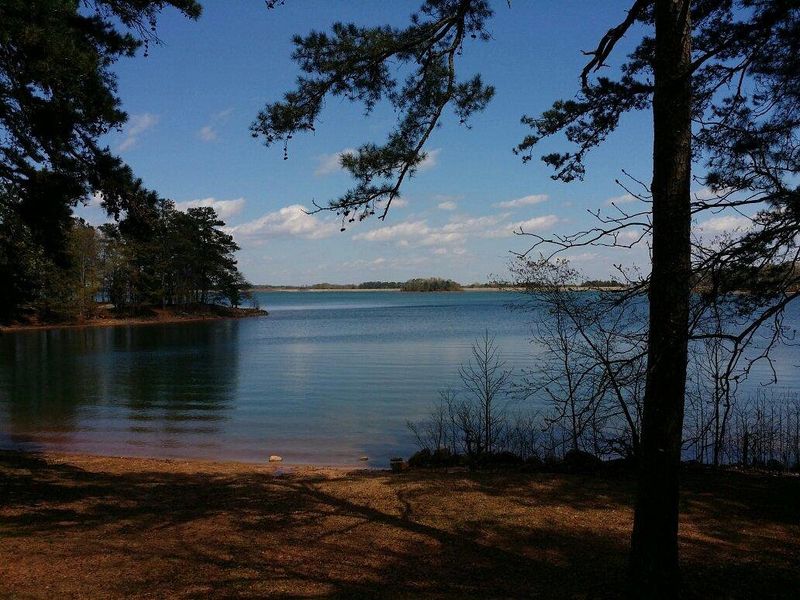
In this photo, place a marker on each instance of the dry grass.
(112, 527)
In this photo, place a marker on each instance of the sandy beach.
(98, 527)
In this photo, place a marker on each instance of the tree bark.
(654, 545)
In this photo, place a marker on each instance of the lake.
(326, 378)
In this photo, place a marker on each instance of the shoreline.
(463, 289)
(159, 316)
(133, 463)
(369, 290)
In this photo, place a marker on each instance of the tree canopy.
(58, 97)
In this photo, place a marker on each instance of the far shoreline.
(158, 316)
(359, 290)
(463, 289)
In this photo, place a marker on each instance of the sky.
(192, 99)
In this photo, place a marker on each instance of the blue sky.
(193, 98)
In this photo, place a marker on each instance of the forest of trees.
(177, 259)
(431, 284)
(57, 97)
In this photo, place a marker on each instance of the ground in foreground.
(113, 527)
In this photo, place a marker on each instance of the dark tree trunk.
(654, 548)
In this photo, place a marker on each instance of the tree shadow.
(250, 533)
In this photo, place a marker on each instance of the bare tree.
(592, 368)
(486, 380)
(437, 431)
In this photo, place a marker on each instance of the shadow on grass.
(252, 534)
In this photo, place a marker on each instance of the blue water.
(326, 378)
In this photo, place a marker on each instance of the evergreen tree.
(719, 75)
(57, 98)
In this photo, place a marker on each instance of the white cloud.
(404, 230)
(289, 221)
(327, 164)
(207, 133)
(447, 205)
(331, 163)
(458, 251)
(582, 257)
(396, 203)
(366, 264)
(527, 226)
(399, 203)
(524, 201)
(456, 232)
(225, 209)
(725, 224)
(706, 193)
(474, 224)
(430, 160)
(137, 125)
(536, 223)
(623, 199)
(630, 236)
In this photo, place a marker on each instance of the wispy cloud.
(532, 225)
(396, 203)
(431, 160)
(623, 199)
(706, 193)
(447, 205)
(209, 132)
(331, 163)
(725, 224)
(289, 221)
(524, 201)
(327, 164)
(137, 125)
(455, 232)
(225, 209)
(404, 230)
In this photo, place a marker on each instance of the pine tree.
(722, 81)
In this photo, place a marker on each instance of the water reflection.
(137, 386)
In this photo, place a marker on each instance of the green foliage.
(380, 285)
(601, 283)
(171, 257)
(57, 97)
(431, 284)
(361, 64)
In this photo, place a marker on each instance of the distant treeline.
(367, 285)
(418, 284)
(164, 257)
(429, 284)
(601, 283)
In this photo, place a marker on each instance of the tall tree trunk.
(654, 547)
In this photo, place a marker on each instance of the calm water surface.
(326, 378)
